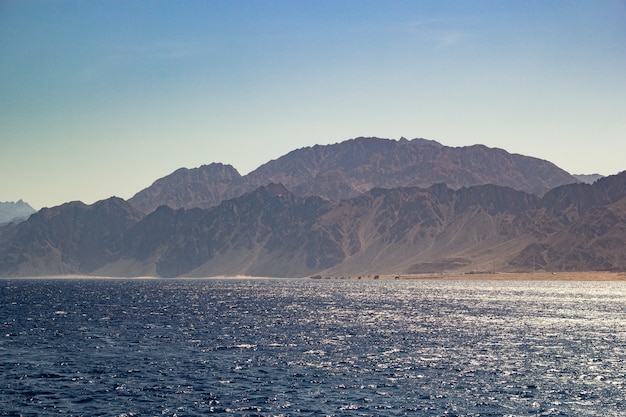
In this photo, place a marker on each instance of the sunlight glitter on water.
(298, 347)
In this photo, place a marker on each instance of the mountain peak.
(349, 168)
(204, 186)
(14, 211)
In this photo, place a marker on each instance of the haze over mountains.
(14, 211)
(361, 207)
(349, 168)
(588, 178)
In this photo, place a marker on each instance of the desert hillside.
(273, 232)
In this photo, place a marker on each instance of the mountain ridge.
(271, 231)
(349, 168)
(14, 211)
(364, 206)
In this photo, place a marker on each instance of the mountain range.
(347, 169)
(11, 211)
(318, 211)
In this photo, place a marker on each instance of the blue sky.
(101, 98)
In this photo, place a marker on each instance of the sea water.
(311, 348)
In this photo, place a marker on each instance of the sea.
(304, 347)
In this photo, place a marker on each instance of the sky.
(100, 98)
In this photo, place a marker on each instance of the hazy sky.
(101, 98)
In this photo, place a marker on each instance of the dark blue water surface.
(305, 347)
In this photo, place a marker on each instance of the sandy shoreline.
(498, 276)
(508, 276)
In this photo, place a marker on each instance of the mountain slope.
(592, 232)
(205, 186)
(69, 239)
(366, 163)
(273, 232)
(347, 169)
(265, 232)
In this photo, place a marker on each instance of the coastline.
(498, 276)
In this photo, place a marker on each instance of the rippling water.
(301, 347)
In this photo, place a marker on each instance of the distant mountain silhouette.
(588, 178)
(347, 169)
(14, 211)
(271, 231)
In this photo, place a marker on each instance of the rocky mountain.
(14, 211)
(266, 233)
(68, 239)
(579, 227)
(347, 169)
(206, 186)
(365, 163)
(273, 232)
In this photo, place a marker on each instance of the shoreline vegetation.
(480, 276)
